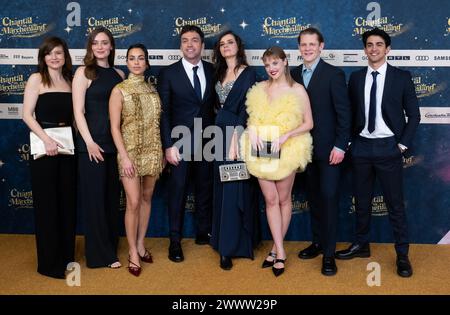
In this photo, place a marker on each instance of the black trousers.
(382, 159)
(202, 175)
(323, 196)
(53, 181)
(99, 200)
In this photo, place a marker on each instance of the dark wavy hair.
(46, 47)
(278, 53)
(143, 48)
(376, 32)
(219, 60)
(193, 28)
(89, 59)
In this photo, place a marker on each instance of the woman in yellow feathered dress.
(279, 113)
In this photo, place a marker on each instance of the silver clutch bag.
(233, 172)
(61, 134)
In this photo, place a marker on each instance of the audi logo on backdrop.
(422, 58)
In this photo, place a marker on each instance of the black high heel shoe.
(267, 263)
(278, 271)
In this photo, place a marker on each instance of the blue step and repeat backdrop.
(420, 33)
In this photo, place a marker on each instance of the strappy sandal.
(135, 270)
(115, 265)
(147, 257)
(267, 263)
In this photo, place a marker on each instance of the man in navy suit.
(187, 96)
(327, 91)
(380, 96)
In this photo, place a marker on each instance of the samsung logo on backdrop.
(441, 57)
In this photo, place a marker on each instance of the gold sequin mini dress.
(139, 125)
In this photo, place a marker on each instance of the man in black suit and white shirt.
(381, 96)
(187, 93)
(327, 91)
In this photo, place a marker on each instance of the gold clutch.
(61, 134)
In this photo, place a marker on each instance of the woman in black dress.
(97, 164)
(235, 230)
(47, 103)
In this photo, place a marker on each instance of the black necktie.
(373, 103)
(197, 87)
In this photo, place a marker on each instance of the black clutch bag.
(266, 151)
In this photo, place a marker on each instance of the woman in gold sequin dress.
(135, 109)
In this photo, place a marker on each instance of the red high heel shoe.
(147, 257)
(135, 270)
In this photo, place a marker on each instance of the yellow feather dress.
(271, 120)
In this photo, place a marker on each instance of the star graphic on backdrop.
(130, 10)
(3, 180)
(222, 10)
(68, 29)
(243, 25)
(277, 41)
(2, 163)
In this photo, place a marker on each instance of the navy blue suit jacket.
(180, 104)
(399, 99)
(327, 91)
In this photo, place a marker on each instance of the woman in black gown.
(97, 163)
(235, 230)
(53, 177)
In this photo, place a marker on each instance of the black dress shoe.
(203, 239)
(311, 251)
(175, 252)
(225, 262)
(404, 268)
(355, 250)
(329, 267)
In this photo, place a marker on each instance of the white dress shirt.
(381, 129)
(200, 72)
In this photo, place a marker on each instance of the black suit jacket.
(399, 99)
(327, 91)
(180, 104)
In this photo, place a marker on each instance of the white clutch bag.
(61, 134)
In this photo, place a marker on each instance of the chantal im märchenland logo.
(424, 89)
(208, 27)
(12, 85)
(299, 206)
(119, 27)
(20, 199)
(448, 27)
(387, 24)
(23, 27)
(283, 28)
(379, 207)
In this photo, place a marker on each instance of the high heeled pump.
(267, 263)
(278, 271)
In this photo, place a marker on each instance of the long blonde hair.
(278, 53)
